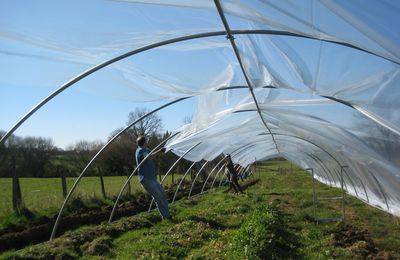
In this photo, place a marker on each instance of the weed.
(265, 235)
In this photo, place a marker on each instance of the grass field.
(204, 226)
(44, 195)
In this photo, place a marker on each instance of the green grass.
(44, 195)
(204, 226)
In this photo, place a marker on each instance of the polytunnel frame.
(350, 179)
(55, 227)
(324, 150)
(190, 37)
(237, 54)
(191, 166)
(195, 178)
(77, 181)
(171, 41)
(182, 179)
(234, 151)
(237, 151)
(209, 175)
(216, 176)
(373, 176)
(355, 108)
(323, 166)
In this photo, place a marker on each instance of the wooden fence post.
(63, 184)
(103, 191)
(16, 188)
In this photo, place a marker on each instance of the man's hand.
(157, 153)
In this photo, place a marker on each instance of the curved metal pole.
(134, 171)
(162, 43)
(251, 173)
(170, 169)
(180, 183)
(338, 100)
(352, 183)
(332, 181)
(216, 175)
(339, 178)
(204, 185)
(237, 54)
(71, 191)
(195, 178)
(308, 141)
(365, 191)
(236, 151)
(249, 170)
(350, 179)
(241, 171)
(380, 189)
(252, 168)
(223, 176)
(322, 165)
(98, 67)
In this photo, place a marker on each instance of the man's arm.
(157, 153)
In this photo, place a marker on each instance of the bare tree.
(149, 126)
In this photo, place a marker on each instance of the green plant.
(265, 235)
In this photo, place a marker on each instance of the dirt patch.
(357, 241)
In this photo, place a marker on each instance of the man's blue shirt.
(148, 169)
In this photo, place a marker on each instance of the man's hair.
(141, 140)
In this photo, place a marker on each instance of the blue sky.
(76, 115)
(31, 66)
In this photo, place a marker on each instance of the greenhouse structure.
(312, 81)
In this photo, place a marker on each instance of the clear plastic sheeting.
(325, 76)
(370, 25)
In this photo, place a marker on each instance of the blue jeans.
(161, 199)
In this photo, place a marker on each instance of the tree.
(150, 126)
(23, 157)
(118, 159)
(81, 153)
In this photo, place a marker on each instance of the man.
(231, 172)
(147, 175)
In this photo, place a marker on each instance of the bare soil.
(358, 241)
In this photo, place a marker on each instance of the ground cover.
(207, 226)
